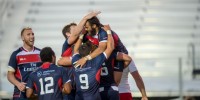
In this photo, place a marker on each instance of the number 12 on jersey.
(48, 86)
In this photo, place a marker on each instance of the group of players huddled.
(94, 66)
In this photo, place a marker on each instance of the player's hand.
(106, 27)
(60, 62)
(92, 14)
(21, 86)
(65, 61)
(144, 98)
(81, 62)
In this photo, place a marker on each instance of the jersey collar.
(46, 65)
(27, 50)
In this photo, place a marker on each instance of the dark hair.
(86, 48)
(95, 21)
(67, 29)
(46, 54)
(26, 28)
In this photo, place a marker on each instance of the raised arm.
(66, 61)
(101, 48)
(78, 44)
(110, 42)
(75, 31)
(102, 43)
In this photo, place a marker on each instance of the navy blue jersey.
(107, 77)
(102, 35)
(67, 52)
(70, 73)
(109, 93)
(118, 66)
(66, 49)
(108, 67)
(65, 46)
(23, 63)
(47, 81)
(87, 78)
(119, 46)
(108, 88)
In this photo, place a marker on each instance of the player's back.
(48, 81)
(119, 46)
(87, 78)
(108, 87)
(107, 77)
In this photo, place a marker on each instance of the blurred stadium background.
(163, 37)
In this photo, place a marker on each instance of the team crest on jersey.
(39, 73)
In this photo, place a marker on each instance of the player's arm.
(124, 57)
(123, 61)
(117, 76)
(77, 30)
(110, 42)
(101, 48)
(29, 92)
(11, 73)
(30, 87)
(11, 78)
(66, 81)
(67, 88)
(76, 51)
(67, 61)
(64, 61)
(78, 44)
(118, 70)
(138, 79)
(102, 45)
(140, 84)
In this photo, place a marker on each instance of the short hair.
(25, 28)
(86, 48)
(95, 21)
(67, 29)
(46, 54)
